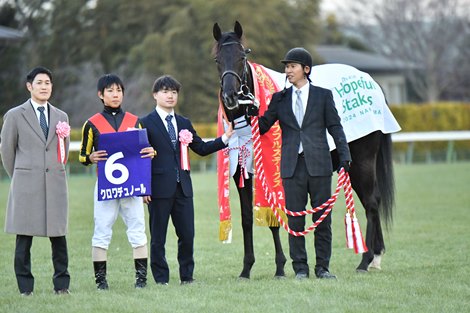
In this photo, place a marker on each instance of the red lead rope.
(354, 238)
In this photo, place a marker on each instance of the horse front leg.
(246, 204)
(280, 257)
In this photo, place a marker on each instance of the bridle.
(244, 93)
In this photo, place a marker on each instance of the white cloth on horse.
(359, 100)
(240, 141)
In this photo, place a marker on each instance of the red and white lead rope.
(354, 237)
(243, 155)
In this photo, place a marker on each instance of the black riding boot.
(100, 275)
(140, 273)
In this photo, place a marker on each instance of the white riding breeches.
(105, 214)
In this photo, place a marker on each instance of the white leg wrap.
(375, 264)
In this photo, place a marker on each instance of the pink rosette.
(185, 138)
(62, 130)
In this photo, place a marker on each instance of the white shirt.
(38, 114)
(163, 114)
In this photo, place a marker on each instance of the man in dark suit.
(172, 193)
(305, 112)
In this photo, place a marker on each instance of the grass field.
(426, 267)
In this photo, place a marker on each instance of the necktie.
(299, 113)
(42, 121)
(299, 109)
(171, 130)
(172, 133)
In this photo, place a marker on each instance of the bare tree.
(431, 36)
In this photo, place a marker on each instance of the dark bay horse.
(371, 172)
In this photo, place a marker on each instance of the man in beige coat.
(33, 154)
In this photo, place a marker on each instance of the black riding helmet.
(298, 55)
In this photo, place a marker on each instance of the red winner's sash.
(270, 156)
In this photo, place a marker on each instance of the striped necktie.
(42, 121)
(172, 133)
(171, 130)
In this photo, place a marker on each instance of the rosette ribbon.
(63, 131)
(185, 138)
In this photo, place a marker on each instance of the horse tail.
(386, 180)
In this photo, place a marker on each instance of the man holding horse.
(305, 112)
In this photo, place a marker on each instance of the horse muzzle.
(230, 102)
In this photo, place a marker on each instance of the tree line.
(139, 40)
(79, 40)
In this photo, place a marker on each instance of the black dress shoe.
(324, 274)
(187, 282)
(301, 276)
(162, 283)
(64, 291)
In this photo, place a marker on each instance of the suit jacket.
(320, 115)
(38, 198)
(166, 162)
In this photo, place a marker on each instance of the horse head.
(234, 75)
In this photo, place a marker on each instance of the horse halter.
(244, 90)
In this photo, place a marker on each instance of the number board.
(125, 173)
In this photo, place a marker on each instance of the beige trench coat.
(38, 198)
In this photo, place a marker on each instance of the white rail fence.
(408, 137)
(413, 137)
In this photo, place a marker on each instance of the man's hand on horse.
(252, 110)
(344, 164)
(229, 131)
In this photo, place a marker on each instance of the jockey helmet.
(298, 55)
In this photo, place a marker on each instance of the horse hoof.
(241, 278)
(361, 271)
(245, 275)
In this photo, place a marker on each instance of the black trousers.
(24, 277)
(181, 211)
(297, 190)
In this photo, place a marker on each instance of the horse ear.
(216, 32)
(238, 29)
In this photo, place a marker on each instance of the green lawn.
(426, 267)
